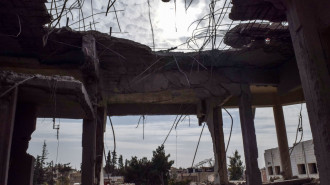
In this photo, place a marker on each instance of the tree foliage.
(161, 165)
(120, 162)
(107, 167)
(39, 166)
(236, 167)
(45, 172)
(144, 171)
(63, 173)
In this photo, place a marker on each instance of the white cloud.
(134, 20)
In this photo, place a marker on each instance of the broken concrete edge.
(64, 85)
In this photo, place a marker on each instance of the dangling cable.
(231, 128)
(192, 164)
(114, 136)
(299, 129)
(176, 148)
(170, 129)
(143, 125)
(138, 122)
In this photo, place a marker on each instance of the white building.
(303, 161)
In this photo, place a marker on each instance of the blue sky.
(130, 141)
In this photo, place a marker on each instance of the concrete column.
(7, 116)
(89, 152)
(88, 167)
(215, 125)
(282, 141)
(101, 122)
(309, 26)
(21, 163)
(218, 129)
(253, 176)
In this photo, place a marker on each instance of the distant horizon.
(130, 140)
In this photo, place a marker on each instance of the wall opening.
(270, 170)
(301, 169)
(277, 170)
(312, 168)
(63, 149)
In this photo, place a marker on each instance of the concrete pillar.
(218, 129)
(101, 122)
(309, 26)
(88, 167)
(21, 163)
(88, 152)
(253, 176)
(7, 116)
(282, 141)
(215, 125)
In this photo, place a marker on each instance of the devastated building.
(303, 161)
(61, 73)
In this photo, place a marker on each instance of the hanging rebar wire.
(174, 123)
(16, 85)
(231, 128)
(114, 7)
(200, 136)
(109, 6)
(151, 26)
(299, 130)
(143, 125)
(76, 10)
(114, 136)
(139, 122)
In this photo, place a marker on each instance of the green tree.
(236, 167)
(114, 161)
(50, 171)
(37, 171)
(44, 153)
(39, 176)
(126, 163)
(138, 171)
(107, 166)
(120, 162)
(146, 172)
(63, 173)
(161, 165)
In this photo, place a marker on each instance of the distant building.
(263, 175)
(113, 180)
(203, 174)
(303, 161)
(75, 178)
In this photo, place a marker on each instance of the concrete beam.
(70, 95)
(215, 83)
(270, 99)
(253, 176)
(151, 109)
(29, 65)
(309, 26)
(7, 115)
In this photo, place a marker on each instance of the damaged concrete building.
(60, 73)
(302, 158)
